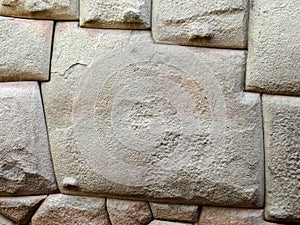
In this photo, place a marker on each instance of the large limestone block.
(40, 9)
(274, 47)
(71, 210)
(122, 14)
(25, 49)
(130, 118)
(25, 161)
(282, 143)
(213, 23)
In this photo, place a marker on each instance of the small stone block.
(163, 222)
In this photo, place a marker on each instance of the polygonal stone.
(213, 23)
(5, 221)
(20, 209)
(69, 210)
(274, 47)
(177, 212)
(25, 49)
(162, 222)
(25, 162)
(40, 9)
(130, 118)
(282, 144)
(128, 212)
(123, 14)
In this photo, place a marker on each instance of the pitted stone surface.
(20, 209)
(5, 221)
(213, 23)
(25, 162)
(274, 47)
(162, 222)
(128, 212)
(176, 212)
(123, 14)
(71, 210)
(162, 122)
(282, 143)
(25, 49)
(40, 9)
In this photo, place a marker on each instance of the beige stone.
(162, 222)
(274, 47)
(213, 23)
(40, 9)
(131, 118)
(5, 221)
(25, 162)
(20, 209)
(71, 210)
(176, 212)
(25, 49)
(122, 14)
(128, 212)
(282, 144)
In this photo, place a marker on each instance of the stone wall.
(170, 112)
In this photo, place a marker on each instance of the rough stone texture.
(25, 49)
(5, 221)
(20, 209)
(161, 123)
(128, 212)
(274, 47)
(25, 162)
(124, 14)
(213, 23)
(161, 222)
(234, 216)
(71, 210)
(282, 144)
(177, 212)
(40, 9)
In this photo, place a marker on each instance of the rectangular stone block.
(213, 23)
(25, 49)
(274, 47)
(282, 144)
(132, 119)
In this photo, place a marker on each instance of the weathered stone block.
(25, 162)
(25, 49)
(162, 222)
(282, 144)
(123, 14)
(213, 23)
(274, 47)
(130, 118)
(5, 221)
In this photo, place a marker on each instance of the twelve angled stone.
(282, 143)
(25, 49)
(213, 23)
(274, 47)
(130, 118)
(25, 162)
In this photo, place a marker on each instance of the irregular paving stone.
(40, 9)
(25, 49)
(162, 222)
(20, 209)
(128, 212)
(282, 144)
(162, 122)
(5, 221)
(214, 23)
(71, 210)
(25, 161)
(186, 213)
(274, 47)
(124, 14)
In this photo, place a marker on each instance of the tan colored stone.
(20, 209)
(40, 9)
(71, 210)
(5, 221)
(123, 14)
(25, 49)
(213, 23)
(177, 212)
(128, 212)
(282, 153)
(274, 47)
(162, 222)
(25, 162)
